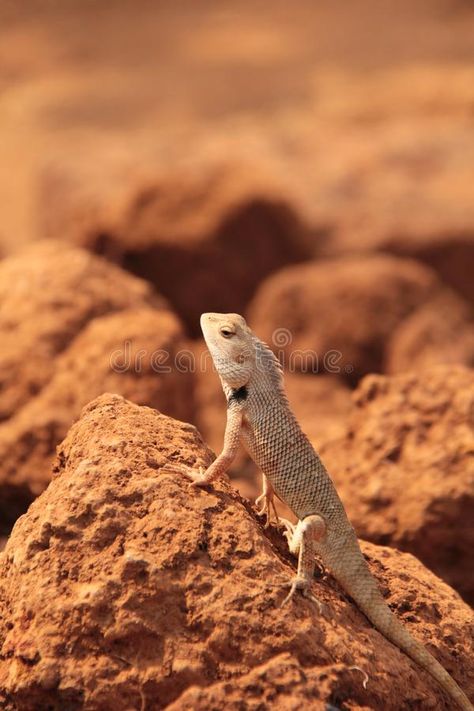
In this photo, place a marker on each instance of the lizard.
(259, 415)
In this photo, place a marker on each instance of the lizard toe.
(196, 476)
(304, 587)
(290, 527)
(306, 592)
(294, 584)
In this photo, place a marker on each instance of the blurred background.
(324, 96)
(308, 164)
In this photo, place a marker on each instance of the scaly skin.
(259, 414)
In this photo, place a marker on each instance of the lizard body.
(259, 414)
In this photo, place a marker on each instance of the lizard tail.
(353, 574)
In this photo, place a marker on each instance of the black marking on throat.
(239, 394)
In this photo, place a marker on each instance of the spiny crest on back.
(269, 365)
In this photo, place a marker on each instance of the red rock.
(124, 586)
(398, 174)
(450, 253)
(321, 404)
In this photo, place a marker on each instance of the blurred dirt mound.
(450, 253)
(378, 160)
(321, 405)
(405, 467)
(131, 353)
(205, 238)
(398, 172)
(73, 326)
(123, 587)
(440, 332)
(337, 316)
(48, 294)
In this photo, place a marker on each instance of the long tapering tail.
(351, 571)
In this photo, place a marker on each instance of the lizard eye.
(226, 332)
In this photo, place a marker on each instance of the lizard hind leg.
(307, 532)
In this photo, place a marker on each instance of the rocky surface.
(211, 148)
(136, 589)
(124, 587)
(336, 316)
(47, 296)
(405, 467)
(133, 353)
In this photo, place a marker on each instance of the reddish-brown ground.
(311, 167)
(124, 587)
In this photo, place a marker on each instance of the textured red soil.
(312, 168)
(124, 587)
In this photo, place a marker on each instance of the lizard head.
(232, 347)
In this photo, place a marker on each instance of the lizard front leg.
(267, 502)
(220, 465)
(301, 540)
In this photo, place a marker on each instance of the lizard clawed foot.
(290, 528)
(267, 504)
(197, 476)
(292, 540)
(304, 587)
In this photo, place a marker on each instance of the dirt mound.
(176, 231)
(48, 295)
(405, 467)
(337, 315)
(440, 332)
(398, 175)
(132, 353)
(450, 253)
(378, 161)
(124, 587)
